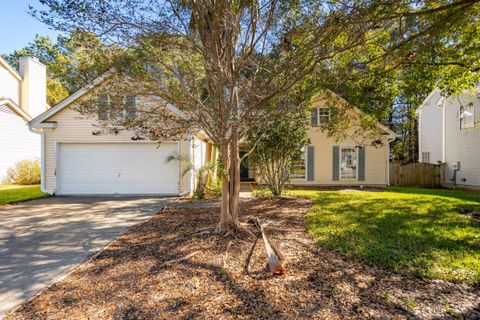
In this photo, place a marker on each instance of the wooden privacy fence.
(424, 175)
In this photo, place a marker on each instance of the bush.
(214, 189)
(24, 172)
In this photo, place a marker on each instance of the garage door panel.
(117, 169)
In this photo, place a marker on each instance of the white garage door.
(117, 168)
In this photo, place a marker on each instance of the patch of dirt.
(473, 214)
(130, 279)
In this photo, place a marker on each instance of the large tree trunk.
(230, 185)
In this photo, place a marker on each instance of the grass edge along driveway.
(419, 231)
(16, 194)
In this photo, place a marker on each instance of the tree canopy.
(72, 61)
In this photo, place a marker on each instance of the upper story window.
(320, 116)
(323, 115)
(467, 117)
(116, 107)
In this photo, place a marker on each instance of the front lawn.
(424, 232)
(13, 194)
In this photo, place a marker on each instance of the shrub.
(24, 172)
(276, 146)
(214, 189)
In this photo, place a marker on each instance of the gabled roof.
(12, 71)
(429, 97)
(72, 98)
(380, 126)
(15, 107)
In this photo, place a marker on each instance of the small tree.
(277, 146)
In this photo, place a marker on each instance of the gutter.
(390, 139)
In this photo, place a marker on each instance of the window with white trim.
(116, 107)
(323, 115)
(299, 168)
(467, 117)
(348, 163)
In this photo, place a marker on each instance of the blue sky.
(17, 27)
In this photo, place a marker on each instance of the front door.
(243, 167)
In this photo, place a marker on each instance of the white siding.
(17, 141)
(462, 145)
(9, 86)
(199, 149)
(430, 129)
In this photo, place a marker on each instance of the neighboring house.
(76, 161)
(448, 131)
(22, 97)
(360, 158)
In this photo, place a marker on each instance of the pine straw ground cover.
(130, 280)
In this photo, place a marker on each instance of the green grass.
(13, 194)
(419, 231)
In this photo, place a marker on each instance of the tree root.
(226, 254)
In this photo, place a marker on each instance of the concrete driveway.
(42, 240)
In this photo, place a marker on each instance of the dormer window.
(323, 115)
(116, 107)
(320, 116)
(467, 117)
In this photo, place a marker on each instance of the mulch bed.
(130, 280)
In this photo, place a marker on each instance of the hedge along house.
(357, 156)
(77, 160)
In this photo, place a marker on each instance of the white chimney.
(34, 85)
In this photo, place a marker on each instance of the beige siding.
(376, 161)
(353, 134)
(9, 86)
(74, 127)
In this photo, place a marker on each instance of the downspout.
(42, 161)
(419, 132)
(391, 139)
(42, 155)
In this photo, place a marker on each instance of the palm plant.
(203, 174)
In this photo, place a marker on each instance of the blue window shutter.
(103, 107)
(361, 164)
(336, 163)
(131, 106)
(310, 163)
(314, 117)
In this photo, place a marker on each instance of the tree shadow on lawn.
(465, 195)
(130, 280)
(426, 237)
